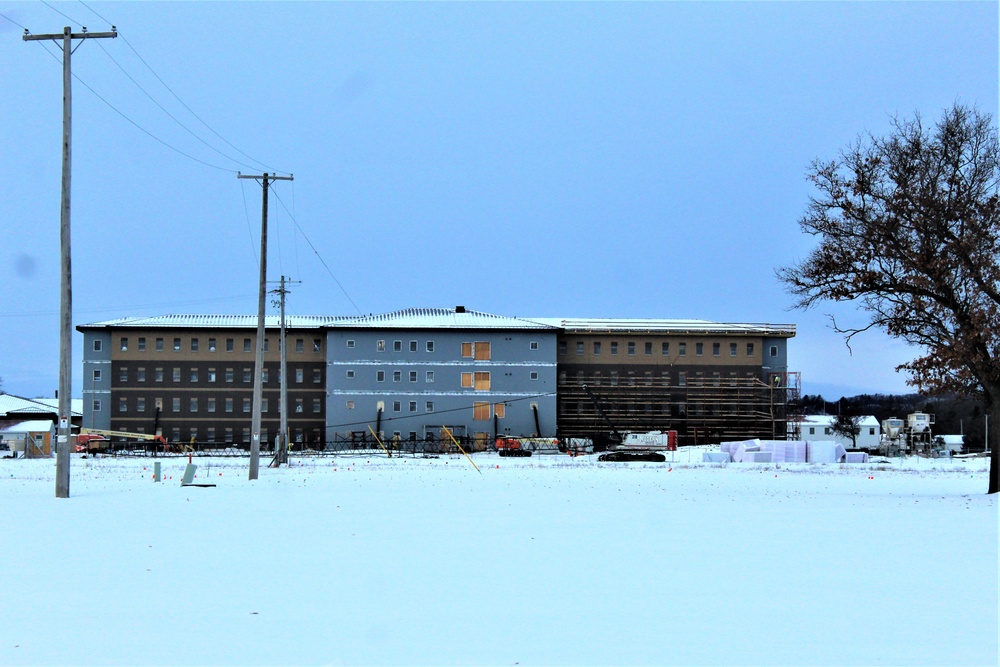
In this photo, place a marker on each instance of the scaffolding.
(702, 410)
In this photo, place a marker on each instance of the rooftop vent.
(459, 309)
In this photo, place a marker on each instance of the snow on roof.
(210, 321)
(17, 405)
(829, 420)
(610, 325)
(30, 426)
(437, 318)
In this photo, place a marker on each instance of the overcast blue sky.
(552, 159)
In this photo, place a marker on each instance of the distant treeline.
(952, 414)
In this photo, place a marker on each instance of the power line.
(184, 104)
(71, 20)
(316, 252)
(170, 115)
(2, 15)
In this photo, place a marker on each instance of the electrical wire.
(2, 15)
(184, 104)
(71, 20)
(316, 252)
(170, 115)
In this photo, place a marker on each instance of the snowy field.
(546, 560)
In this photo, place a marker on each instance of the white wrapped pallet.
(825, 451)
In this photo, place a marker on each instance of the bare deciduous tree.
(909, 228)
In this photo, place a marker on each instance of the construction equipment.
(624, 448)
(93, 440)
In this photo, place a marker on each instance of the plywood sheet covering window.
(500, 410)
(467, 350)
(482, 382)
(481, 411)
(467, 380)
(481, 350)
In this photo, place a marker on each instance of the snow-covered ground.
(546, 560)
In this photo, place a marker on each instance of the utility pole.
(258, 387)
(66, 281)
(281, 450)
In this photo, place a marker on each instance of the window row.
(479, 350)
(661, 379)
(209, 434)
(195, 344)
(210, 374)
(210, 404)
(470, 380)
(597, 347)
(481, 410)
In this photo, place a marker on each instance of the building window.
(140, 404)
(534, 375)
(176, 376)
(533, 345)
(211, 405)
(300, 345)
(211, 375)
(229, 405)
(682, 349)
(97, 405)
(193, 404)
(397, 406)
(300, 375)
(267, 344)
(177, 344)
(430, 346)
(614, 347)
(413, 376)
(317, 376)
(481, 411)
(631, 349)
(122, 405)
(429, 406)
(732, 349)
(774, 350)
(246, 434)
(97, 376)
(397, 346)
(716, 349)
(665, 348)
(413, 346)
(159, 345)
(158, 375)
(380, 346)
(317, 344)
(247, 346)
(175, 404)
(648, 348)
(263, 406)
(562, 347)
(482, 381)
(350, 405)
(317, 406)
(682, 379)
(194, 375)
(500, 410)
(579, 347)
(124, 344)
(230, 344)
(98, 345)
(350, 345)
(429, 377)
(380, 376)
(142, 344)
(123, 374)
(467, 380)
(211, 345)
(699, 349)
(247, 405)
(397, 376)
(140, 374)
(350, 375)
(247, 375)
(749, 349)
(210, 434)
(597, 347)
(413, 406)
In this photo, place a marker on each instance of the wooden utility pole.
(281, 449)
(258, 387)
(66, 281)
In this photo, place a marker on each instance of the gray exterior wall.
(519, 377)
(778, 362)
(97, 380)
